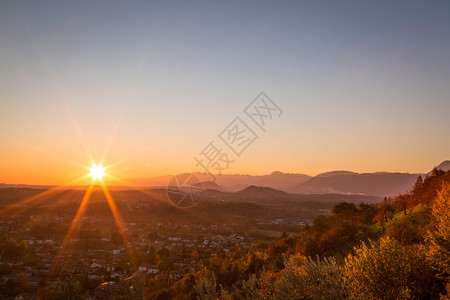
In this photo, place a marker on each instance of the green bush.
(380, 271)
(308, 279)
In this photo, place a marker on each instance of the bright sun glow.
(97, 172)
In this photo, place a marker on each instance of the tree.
(380, 218)
(367, 213)
(5, 269)
(184, 288)
(377, 272)
(438, 238)
(195, 255)
(21, 279)
(306, 245)
(405, 230)
(250, 289)
(422, 281)
(206, 288)
(344, 208)
(10, 284)
(131, 288)
(304, 278)
(401, 202)
(11, 249)
(71, 290)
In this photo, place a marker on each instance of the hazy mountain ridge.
(386, 184)
(336, 173)
(261, 190)
(378, 184)
(338, 182)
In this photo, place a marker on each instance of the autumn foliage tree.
(438, 238)
(11, 249)
(379, 270)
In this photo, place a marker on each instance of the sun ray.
(115, 164)
(113, 133)
(134, 85)
(78, 131)
(75, 163)
(116, 214)
(161, 197)
(20, 206)
(72, 229)
(119, 223)
(53, 207)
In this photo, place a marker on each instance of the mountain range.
(379, 184)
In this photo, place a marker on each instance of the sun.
(97, 172)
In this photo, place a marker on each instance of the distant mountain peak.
(282, 174)
(209, 185)
(336, 173)
(253, 189)
(275, 173)
(445, 165)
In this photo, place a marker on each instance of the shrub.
(377, 272)
(308, 279)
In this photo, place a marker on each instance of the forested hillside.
(396, 249)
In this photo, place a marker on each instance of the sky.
(146, 86)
